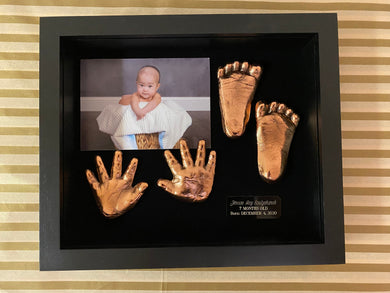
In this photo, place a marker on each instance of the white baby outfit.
(168, 119)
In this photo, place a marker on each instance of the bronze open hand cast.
(191, 182)
(115, 195)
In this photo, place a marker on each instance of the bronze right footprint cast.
(275, 130)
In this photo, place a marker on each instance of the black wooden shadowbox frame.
(299, 57)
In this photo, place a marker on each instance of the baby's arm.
(133, 101)
(125, 100)
(156, 100)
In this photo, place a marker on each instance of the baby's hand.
(140, 116)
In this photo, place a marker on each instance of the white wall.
(189, 103)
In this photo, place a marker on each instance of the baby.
(130, 117)
(148, 82)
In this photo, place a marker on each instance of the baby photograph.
(151, 103)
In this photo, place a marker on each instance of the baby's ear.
(158, 86)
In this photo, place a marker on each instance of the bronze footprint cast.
(237, 85)
(275, 130)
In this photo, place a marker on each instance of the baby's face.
(147, 85)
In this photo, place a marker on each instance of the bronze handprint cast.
(115, 195)
(191, 182)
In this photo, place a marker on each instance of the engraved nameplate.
(261, 207)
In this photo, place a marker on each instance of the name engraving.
(261, 207)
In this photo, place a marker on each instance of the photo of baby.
(140, 117)
(148, 82)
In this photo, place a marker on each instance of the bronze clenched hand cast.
(275, 130)
(191, 182)
(115, 195)
(237, 85)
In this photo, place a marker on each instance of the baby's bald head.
(150, 70)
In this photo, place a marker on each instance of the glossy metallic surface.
(275, 130)
(115, 195)
(191, 182)
(237, 85)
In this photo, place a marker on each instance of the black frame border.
(332, 251)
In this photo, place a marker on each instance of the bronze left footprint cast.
(115, 195)
(237, 85)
